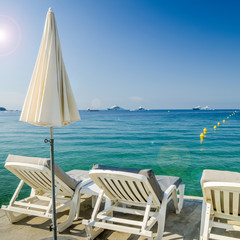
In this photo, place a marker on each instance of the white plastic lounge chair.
(36, 173)
(221, 193)
(134, 192)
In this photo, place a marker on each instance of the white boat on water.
(115, 108)
(197, 108)
(141, 109)
(206, 108)
(202, 108)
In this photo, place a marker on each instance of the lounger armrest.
(167, 193)
(85, 182)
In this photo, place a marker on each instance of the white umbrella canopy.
(49, 100)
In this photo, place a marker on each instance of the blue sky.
(151, 53)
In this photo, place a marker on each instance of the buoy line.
(203, 134)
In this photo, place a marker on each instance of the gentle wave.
(167, 142)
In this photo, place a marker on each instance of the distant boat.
(202, 108)
(3, 109)
(140, 109)
(197, 108)
(115, 108)
(92, 110)
(206, 108)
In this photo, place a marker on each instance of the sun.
(10, 35)
(3, 35)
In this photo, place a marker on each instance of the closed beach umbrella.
(50, 101)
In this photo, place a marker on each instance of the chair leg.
(77, 199)
(206, 221)
(202, 219)
(161, 222)
(64, 225)
(181, 198)
(15, 217)
(94, 200)
(73, 211)
(178, 203)
(93, 232)
(78, 207)
(175, 201)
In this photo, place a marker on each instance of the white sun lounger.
(133, 192)
(221, 203)
(36, 173)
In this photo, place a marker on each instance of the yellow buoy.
(202, 135)
(218, 123)
(224, 121)
(227, 117)
(215, 127)
(168, 111)
(205, 130)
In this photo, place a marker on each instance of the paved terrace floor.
(183, 226)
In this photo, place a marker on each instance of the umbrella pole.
(53, 187)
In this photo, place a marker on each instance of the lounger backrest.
(222, 189)
(124, 186)
(35, 172)
(225, 197)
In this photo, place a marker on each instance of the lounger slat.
(28, 212)
(42, 181)
(152, 221)
(133, 191)
(110, 187)
(122, 189)
(114, 227)
(38, 179)
(31, 179)
(145, 188)
(226, 202)
(47, 177)
(30, 205)
(119, 191)
(129, 185)
(223, 215)
(131, 211)
(226, 226)
(235, 203)
(26, 178)
(126, 187)
(119, 220)
(217, 200)
(142, 192)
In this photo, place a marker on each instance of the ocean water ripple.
(167, 142)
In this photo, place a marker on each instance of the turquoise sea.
(167, 142)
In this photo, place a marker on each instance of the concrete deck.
(183, 226)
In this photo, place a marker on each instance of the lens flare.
(174, 158)
(3, 36)
(10, 35)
